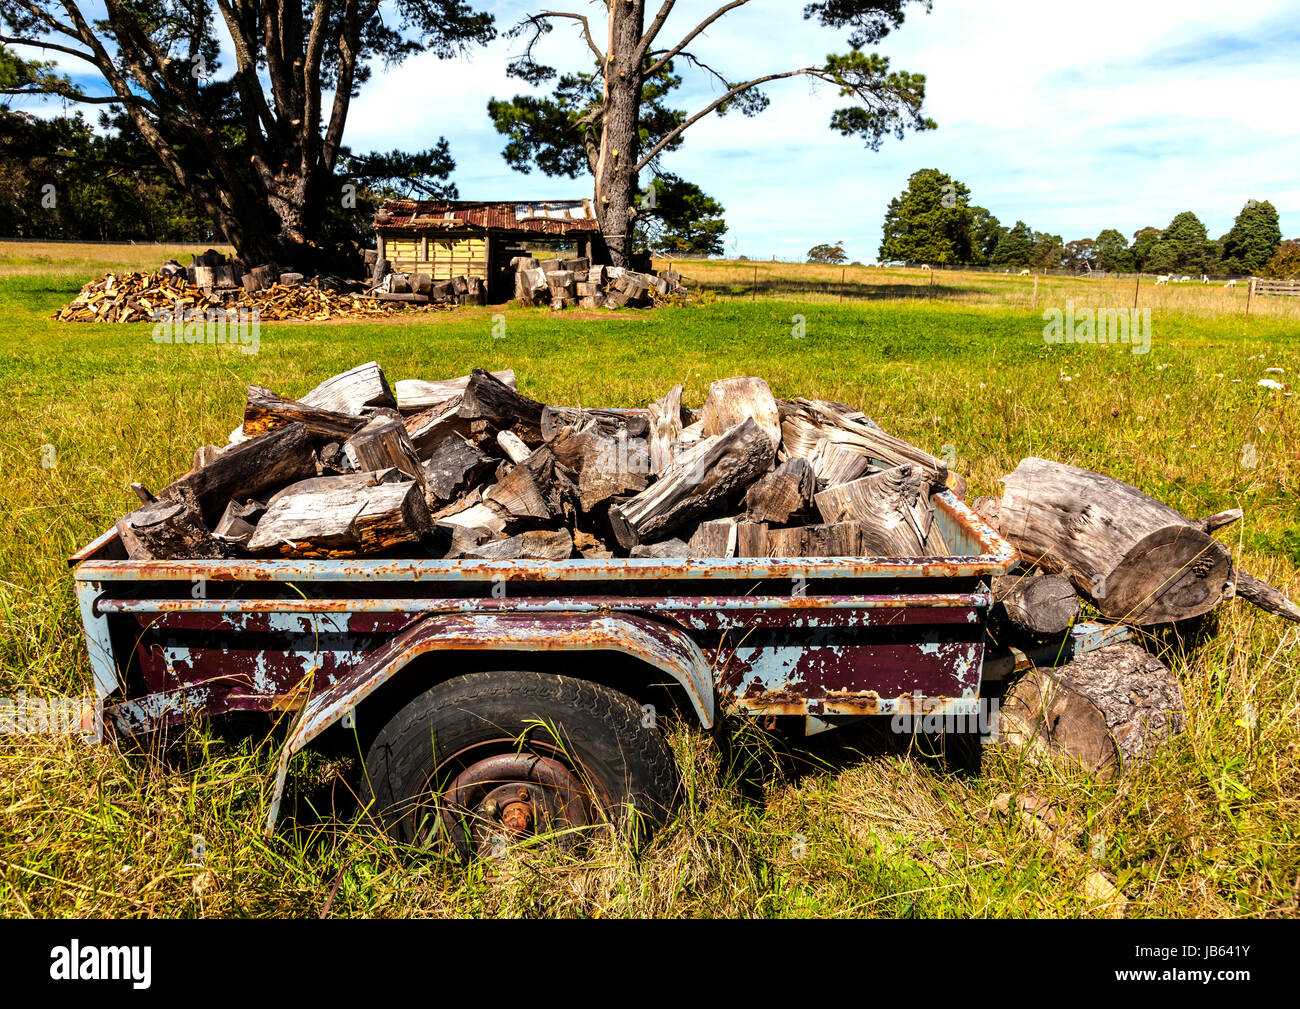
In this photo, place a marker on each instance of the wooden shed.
(466, 238)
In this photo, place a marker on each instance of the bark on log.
(1265, 596)
(707, 479)
(455, 466)
(486, 397)
(264, 411)
(1135, 559)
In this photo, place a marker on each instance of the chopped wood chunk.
(352, 391)
(783, 492)
(418, 394)
(265, 411)
(350, 520)
(168, 530)
(731, 400)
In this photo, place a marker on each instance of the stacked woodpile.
(576, 283)
(420, 288)
(145, 297)
(470, 467)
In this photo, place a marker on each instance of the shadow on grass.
(798, 289)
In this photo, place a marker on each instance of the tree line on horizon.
(934, 221)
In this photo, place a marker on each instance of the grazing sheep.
(1162, 280)
(1024, 273)
(1205, 278)
(925, 266)
(1184, 280)
(1231, 283)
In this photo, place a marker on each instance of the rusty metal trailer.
(324, 642)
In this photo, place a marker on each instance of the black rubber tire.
(602, 730)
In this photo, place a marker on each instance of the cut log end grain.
(347, 519)
(1035, 606)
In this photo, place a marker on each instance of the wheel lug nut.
(523, 793)
(490, 807)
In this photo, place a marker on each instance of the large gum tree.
(255, 147)
(612, 124)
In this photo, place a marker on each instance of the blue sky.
(1120, 114)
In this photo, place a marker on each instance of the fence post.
(1035, 302)
(1250, 293)
(841, 283)
(755, 297)
(1137, 286)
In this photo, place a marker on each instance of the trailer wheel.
(489, 759)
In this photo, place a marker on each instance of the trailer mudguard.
(662, 647)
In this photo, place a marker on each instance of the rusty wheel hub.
(504, 798)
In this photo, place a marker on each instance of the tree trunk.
(620, 147)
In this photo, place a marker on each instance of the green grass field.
(859, 825)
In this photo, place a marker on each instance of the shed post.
(379, 244)
(424, 248)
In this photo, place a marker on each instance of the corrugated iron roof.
(547, 217)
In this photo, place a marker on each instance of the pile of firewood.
(146, 297)
(569, 283)
(469, 467)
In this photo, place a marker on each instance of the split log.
(245, 470)
(429, 429)
(893, 510)
(455, 466)
(352, 391)
(414, 394)
(783, 492)
(265, 411)
(534, 490)
(238, 522)
(834, 539)
(842, 444)
(1035, 606)
(708, 479)
(486, 397)
(556, 420)
(351, 519)
(382, 444)
(731, 400)
(168, 530)
(1135, 559)
(513, 446)
(751, 539)
(665, 418)
(611, 465)
(537, 545)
